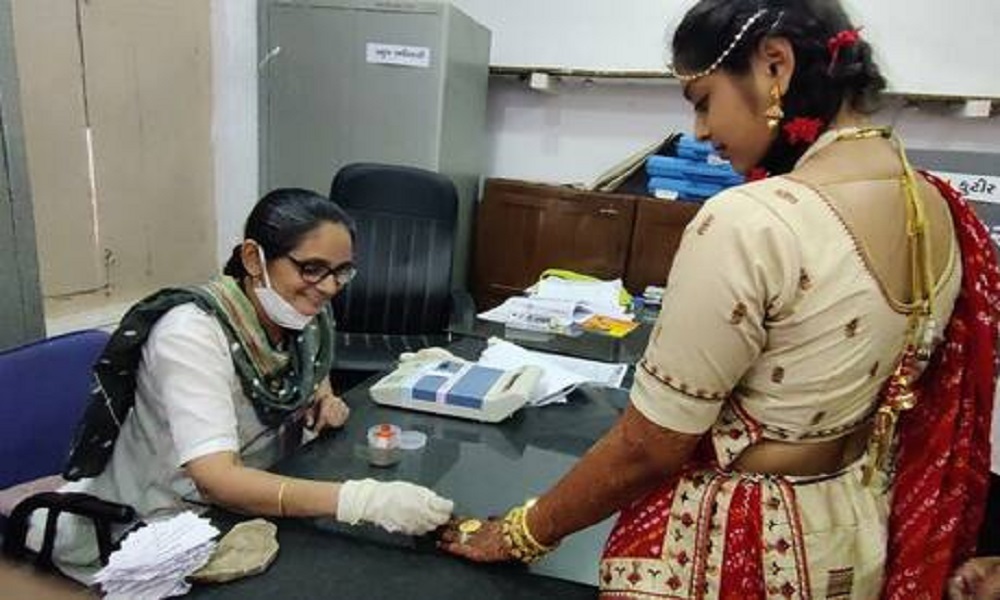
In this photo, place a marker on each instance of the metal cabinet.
(345, 81)
(20, 295)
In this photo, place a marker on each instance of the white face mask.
(277, 308)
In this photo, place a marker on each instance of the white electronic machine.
(440, 383)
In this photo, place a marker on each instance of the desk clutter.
(566, 302)
(505, 378)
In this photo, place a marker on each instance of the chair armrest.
(462, 317)
(101, 512)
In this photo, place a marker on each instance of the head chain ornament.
(729, 49)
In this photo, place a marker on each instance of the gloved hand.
(393, 506)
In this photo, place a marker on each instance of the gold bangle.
(512, 538)
(281, 498)
(527, 530)
(523, 545)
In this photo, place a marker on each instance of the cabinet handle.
(608, 212)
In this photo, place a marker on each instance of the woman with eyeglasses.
(202, 388)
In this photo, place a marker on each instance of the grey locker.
(324, 105)
(20, 294)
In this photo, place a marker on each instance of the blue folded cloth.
(693, 153)
(684, 188)
(680, 168)
(688, 147)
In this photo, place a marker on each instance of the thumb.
(442, 505)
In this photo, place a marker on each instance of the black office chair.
(402, 298)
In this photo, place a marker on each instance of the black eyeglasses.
(314, 271)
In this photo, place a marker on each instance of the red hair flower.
(803, 130)
(843, 39)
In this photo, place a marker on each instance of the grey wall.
(20, 296)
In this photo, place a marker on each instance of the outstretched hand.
(476, 540)
(977, 579)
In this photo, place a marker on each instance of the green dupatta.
(277, 382)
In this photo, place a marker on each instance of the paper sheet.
(599, 297)
(557, 304)
(560, 374)
(546, 313)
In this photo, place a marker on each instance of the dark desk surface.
(484, 468)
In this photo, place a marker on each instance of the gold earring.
(774, 113)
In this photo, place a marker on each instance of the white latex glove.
(434, 353)
(393, 506)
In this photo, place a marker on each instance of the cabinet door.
(588, 234)
(659, 225)
(525, 228)
(508, 233)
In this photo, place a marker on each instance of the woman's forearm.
(223, 480)
(633, 458)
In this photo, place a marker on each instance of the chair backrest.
(44, 388)
(405, 242)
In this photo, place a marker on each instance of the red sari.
(943, 465)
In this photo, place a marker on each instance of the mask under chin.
(280, 310)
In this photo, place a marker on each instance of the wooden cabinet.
(524, 228)
(656, 235)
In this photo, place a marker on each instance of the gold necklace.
(899, 393)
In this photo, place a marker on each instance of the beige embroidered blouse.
(785, 298)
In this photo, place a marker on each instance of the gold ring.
(468, 527)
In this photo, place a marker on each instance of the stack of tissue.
(154, 561)
(696, 173)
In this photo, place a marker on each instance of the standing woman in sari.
(811, 416)
(203, 388)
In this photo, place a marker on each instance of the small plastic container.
(383, 445)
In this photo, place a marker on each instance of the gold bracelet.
(527, 530)
(281, 498)
(523, 545)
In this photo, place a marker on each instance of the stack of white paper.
(556, 304)
(536, 313)
(153, 561)
(560, 374)
(598, 297)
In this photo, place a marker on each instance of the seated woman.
(202, 388)
(806, 314)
